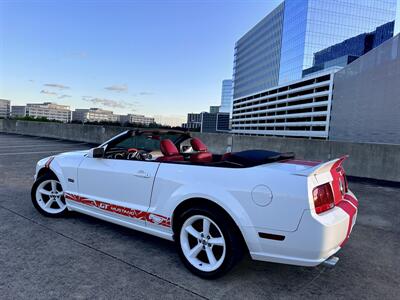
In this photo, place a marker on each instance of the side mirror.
(96, 152)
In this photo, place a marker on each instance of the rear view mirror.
(98, 152)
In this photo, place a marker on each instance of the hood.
(79, 153)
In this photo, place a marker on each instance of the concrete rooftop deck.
(82, 257)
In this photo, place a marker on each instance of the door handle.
(142, 174)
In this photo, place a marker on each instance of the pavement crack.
(104, 253)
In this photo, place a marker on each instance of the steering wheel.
(132, 153)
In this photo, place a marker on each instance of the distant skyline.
(157, 58)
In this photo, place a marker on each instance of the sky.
(158, 58)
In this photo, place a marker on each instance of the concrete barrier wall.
(376, 161)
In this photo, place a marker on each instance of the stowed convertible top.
(251, 158)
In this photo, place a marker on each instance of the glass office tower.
(283, 44)
(226, 96)
(257, 55)
(312, 25)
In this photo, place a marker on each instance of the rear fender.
(220, 197)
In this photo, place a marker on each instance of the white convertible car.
(215, 207)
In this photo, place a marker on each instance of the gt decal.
(121, 210)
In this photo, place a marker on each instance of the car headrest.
(168, 148)
(198, 145)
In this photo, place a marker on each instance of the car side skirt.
(116, 220)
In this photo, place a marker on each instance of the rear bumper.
(316, 239)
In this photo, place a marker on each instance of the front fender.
(65, 167)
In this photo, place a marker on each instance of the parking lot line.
(39, 152)
(40, 145)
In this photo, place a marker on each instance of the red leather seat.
(170, 152)
(202, 154)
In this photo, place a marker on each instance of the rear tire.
(48, 196)
(207, 242)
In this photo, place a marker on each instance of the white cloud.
(117, 88)
(64, 96)
(49, 93)
(57, 86)
(110, 102)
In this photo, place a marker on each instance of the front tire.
(48, 196)
(207, 243)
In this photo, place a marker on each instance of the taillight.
(323, 198)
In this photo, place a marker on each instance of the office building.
(193, 121)
(214, 109)
(366, 97)
(214, 122)
(345, 52)
(137, 119)
(50, 111)
(226, 96)
(298, 109)
(257, 55)
(282, 45)
(4, 108)
(94, 115)
(18, 111)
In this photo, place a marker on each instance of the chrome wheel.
(202, 243)
(50, 196)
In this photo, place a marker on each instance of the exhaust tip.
(331, 261)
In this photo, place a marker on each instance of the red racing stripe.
(350, 198)
(47, 165)
(349, 208)
(121, 210)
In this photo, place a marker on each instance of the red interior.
(202, 155)
(198, 145)
(170, 152)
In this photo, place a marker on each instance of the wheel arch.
(44, 171)
(53, 167)
(204, 202)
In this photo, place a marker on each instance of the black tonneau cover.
(251, 158)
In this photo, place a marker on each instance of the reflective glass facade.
(226, 96)
(257, 55)
(312, 25)
(283, 44)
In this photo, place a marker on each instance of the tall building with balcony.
(4, 108)
(94, 115)
(282, 45)
(50, 111)
(226, 96)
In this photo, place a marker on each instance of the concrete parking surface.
(82, 257)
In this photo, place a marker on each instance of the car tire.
(48, 196)
(221, 246)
